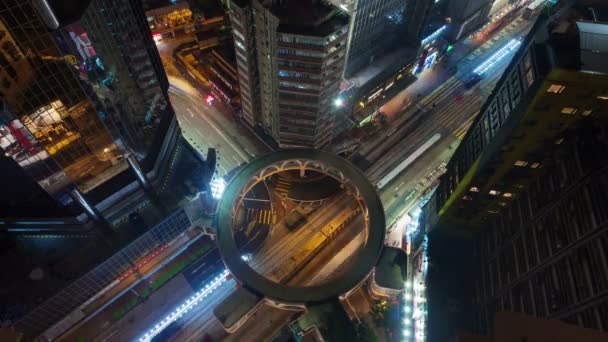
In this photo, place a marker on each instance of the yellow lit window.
(521, 163)
(494, 192)
(556, 88)
(569, 110)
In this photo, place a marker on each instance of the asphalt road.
(447, 108)
(204, 125)
(274, 257)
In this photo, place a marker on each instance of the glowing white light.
(433, 35)
(338, 102)
(246, 257)
(218, 185)
(407, 296)
(189, 304)
(406, 333)
(497, 56)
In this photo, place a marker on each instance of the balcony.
(301, 58)
(300, 80)
(301, 46)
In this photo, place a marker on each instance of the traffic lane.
(201, 321)
(197, 118)
(204, 269)
(437, 75)
(204, 137)
(138, 320)
(107, 316)
(264, 323)
(221, 118)
(203, 141)
(225, 132)
(396, 196)
(322, 267)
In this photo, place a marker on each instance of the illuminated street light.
(185, 307)
(497, 56)
(338, 102)
(218, 185)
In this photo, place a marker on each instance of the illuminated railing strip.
(433, 35)
(185, 307)
(497, 56)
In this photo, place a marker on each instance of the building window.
(535, 165)
(521, 163)
(494, 192)
(556, 88)
(474, 189)
(507, 195)
(586, 112)
(530, 77)
(569, 110)
(559, 141)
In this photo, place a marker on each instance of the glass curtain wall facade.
(49, 126)
(374, 28)
(77, 100)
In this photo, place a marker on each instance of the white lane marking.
(221, 134)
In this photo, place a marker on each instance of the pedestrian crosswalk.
(461, 131)
(282, 186)
(265, 216)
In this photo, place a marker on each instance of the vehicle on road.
(472, 81)
(295, 219)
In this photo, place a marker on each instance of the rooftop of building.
(578, 36)
(554, 112)
(391, 268)
(377, 72)
(511, 326)
(330, 319)
(235, 306)
(307, 17)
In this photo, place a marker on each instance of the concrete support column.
(143, 181)
(302, 172)
(89, 209)
(139, 174)
(94, 214)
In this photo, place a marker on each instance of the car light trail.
(185, 307)
(497, 56)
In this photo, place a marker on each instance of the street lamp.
(338, 102)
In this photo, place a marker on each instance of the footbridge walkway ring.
(301, 159)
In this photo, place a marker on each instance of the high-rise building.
(466, 16)
(290, 65)
(375, 27)
(511, 327)
(86, 127)
(80, 97)
(529, 182)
